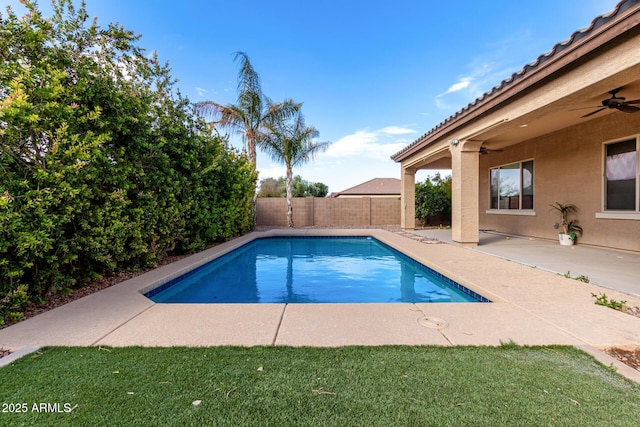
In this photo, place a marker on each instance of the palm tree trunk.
(251, 151)
(289, 195)
(249, 140)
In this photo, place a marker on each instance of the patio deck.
(609, 268)
(530, 306)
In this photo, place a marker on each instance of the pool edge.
(389, 238)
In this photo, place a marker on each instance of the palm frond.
(231, 116)
(206, 108)
(273, 141)
(253, 114)
(291, 143)
(281, 111)
(248, 78)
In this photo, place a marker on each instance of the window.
(512, 186)
(621, 176)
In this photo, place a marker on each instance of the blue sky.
(373, 76)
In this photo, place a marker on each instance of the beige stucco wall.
(568, 167)
(312, 211)
(385, 211)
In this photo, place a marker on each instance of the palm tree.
(292, 143)
(251, 111)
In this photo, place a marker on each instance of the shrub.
(13, 303)
(433, 198)
(105, 167)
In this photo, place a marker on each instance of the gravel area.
(629, 357)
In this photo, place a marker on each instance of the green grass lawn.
(384, 386)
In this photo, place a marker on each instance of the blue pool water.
(313, 270)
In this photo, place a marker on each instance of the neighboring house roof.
(602, 29)
(374, 187)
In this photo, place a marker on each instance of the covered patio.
(563, 129)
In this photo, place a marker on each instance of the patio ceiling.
(564, 113)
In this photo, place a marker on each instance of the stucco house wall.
(568, 168)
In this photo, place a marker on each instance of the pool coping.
(529, 307)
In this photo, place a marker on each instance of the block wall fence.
(317, 211)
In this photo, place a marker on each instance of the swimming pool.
(313, 270)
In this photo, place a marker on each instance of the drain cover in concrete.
(433, 322)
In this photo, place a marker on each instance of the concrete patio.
(530, 306)
(609, 268)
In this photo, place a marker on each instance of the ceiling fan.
(485, 150)
(616, 102)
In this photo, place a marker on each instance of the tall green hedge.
(433, 199)
(104, 166)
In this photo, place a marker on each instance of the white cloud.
(350, 145)
(457, 87)
(484, 75)
(396, 130)
(485, 71)
(377, 144)
(201, 91)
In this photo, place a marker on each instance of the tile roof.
(577, 36)
(376, 186)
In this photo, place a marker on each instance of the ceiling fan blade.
(485, 150)
(593, 112)
(635, 101)
(628, 108)
(586, 108)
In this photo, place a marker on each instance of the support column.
(408, 200)
(465, 203)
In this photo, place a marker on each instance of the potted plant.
(569, 226)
